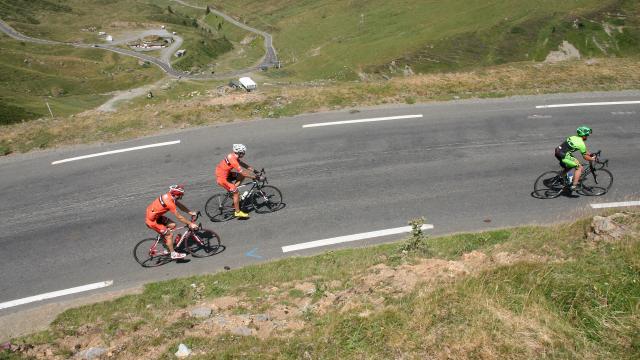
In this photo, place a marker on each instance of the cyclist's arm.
(245, 165)
(589, 157)
(182, 207)
(185, 209)
(246, 173)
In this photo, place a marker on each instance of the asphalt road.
(76, 223)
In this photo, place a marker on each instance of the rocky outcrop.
(608, 229)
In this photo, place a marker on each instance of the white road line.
(588, 104)
(363, 120)
(615, 204)
(116, 151)
(54, 294)
(348, 238)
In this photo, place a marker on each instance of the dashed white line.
(362, 120)
(348, 238)
(115, 151)
(54, 294)
(588, 104)
(615, 204)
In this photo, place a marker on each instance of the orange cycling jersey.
(230, 162)
(160, 206)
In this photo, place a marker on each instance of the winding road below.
(269, 60)
(464, 165)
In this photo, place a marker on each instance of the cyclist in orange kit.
(159, 223)
(230, 173)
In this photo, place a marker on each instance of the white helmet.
(239, 148)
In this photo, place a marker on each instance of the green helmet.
(584, 131)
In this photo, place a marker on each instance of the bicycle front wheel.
(219, 207)
(267, 199)
(597, 183)
(203, 243)
(149, 254)
(549, 185)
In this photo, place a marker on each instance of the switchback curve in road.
(269, 60)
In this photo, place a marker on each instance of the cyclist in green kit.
(564, 154)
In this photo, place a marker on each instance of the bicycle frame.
(255, 185)
(591, 168)
(183, 237)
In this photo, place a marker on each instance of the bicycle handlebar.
(604, 163)
(261, 175)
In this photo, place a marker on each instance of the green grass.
(73, 80)
(70, 80)
(577, 299)
(244, 54)
(338, 39)
(117, 16)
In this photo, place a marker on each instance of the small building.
(180, 52)
(109, 38)
(162, 27)
(101, 33)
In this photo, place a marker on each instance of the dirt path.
(124, 95)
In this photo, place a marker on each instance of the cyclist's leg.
(578, 174)
(161, 229)
(232, 188)
(168, 236)
(235, 178)
(572, 163)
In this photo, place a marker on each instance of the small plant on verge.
(417, 242)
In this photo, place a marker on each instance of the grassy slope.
(71, 80)
(561, 297)
(85, 75)
(118, 16)
(244, 53)
(336, 39)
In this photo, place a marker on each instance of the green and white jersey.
(572, 144)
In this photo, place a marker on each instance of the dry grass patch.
(167, 113)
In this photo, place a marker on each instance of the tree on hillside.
(208, 11)
(169, 9)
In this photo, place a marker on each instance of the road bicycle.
(595, 181)
(199, 243)
(257, 195)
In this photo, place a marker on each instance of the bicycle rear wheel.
(203, 243)
(549, 185)
(219, 207)
(267, 199)
(149, 254)
(597, 183)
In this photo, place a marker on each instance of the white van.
(247, 83)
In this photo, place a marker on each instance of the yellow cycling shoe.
(241, 214)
